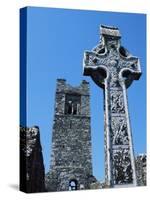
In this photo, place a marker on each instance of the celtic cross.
(113, 68)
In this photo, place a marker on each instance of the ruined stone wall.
(31, 161)
(71, 138)
(140, 163)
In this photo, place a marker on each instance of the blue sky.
(56, 41)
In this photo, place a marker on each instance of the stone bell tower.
(71, 163)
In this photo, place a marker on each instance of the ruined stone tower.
(71, 163)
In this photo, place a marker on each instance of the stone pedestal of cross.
(113, 68)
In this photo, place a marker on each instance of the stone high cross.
(113, 68)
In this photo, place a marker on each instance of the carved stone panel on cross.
(117, 102)
(122, 170)
(119, 131)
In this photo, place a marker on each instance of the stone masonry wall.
(31, 161)
(141, 169)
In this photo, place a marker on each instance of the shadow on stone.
(14, 186)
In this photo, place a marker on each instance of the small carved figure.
(119, 131)
(123, 170)
(117, 104)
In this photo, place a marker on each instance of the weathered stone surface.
(96, 185)
(113, 68)
(31, 161)
(141, 169)
(71, 160)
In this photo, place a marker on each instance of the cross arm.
(95, 66)
(130, 69)
(88, 62)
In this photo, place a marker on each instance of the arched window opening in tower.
(73, 185)
(72, 104)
